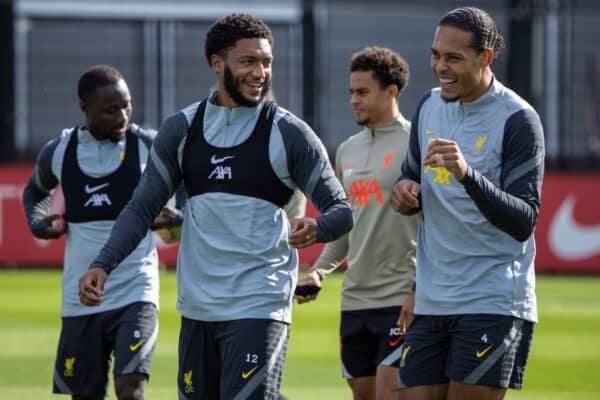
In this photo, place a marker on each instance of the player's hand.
(91, 287)
(311, 279)
(169, 235)
(168, 218)
(50, 227)
(407, 313)
(447, 154)
(168, 225)
(303, 232)
(405, 195)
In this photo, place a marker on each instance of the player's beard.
(363, 122)
(236, 95)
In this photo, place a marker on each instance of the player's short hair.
(95, 77)
(480, 24)
(388, 67)
(226, 31)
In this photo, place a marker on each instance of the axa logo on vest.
(97, 199)
(362, 189)
(221, 172)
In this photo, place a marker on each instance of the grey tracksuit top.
(137, 278)
(475, 245)
(234, 258)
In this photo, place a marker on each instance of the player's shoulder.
(289, 119)
(55, 148)
(510, 101)
(61, 140)
(403, 123)
(289, 123)
(185, 115)
(66, 133)
(175, 127)
(145, 133)
(430, 101)
(430, 97)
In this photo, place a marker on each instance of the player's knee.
(362, 388)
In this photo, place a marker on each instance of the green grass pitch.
(563, 363)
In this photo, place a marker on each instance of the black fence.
(550, 59)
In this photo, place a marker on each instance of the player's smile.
(246, 72)
(457, 66)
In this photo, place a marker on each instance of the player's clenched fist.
(49, 227)
(447, 154)
(91, 287)
(405, 195)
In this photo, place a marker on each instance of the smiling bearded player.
(240, 158)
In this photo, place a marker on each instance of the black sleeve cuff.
(106, 269)
(176, 218)
(469, 177)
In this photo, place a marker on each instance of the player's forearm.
(296, 207)
(335, 221)
(511, 214)
(36, 203)
(333, 254)
(37, 195)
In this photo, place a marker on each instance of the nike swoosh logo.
(428, 131)
(570, 240)
(134, 347)
(91, 189)
(483, 352)
(215, 160)
(395, 342)
(245, 375)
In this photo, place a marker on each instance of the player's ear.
(487, 55)
(217, 63)
(82, 106)
(392, 90)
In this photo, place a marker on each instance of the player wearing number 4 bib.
(474, 169)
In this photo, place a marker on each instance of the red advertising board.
(568, 233)
(18, 248)
(567, 236)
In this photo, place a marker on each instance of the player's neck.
(96, 135)
(385, 119)
(486, 82)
